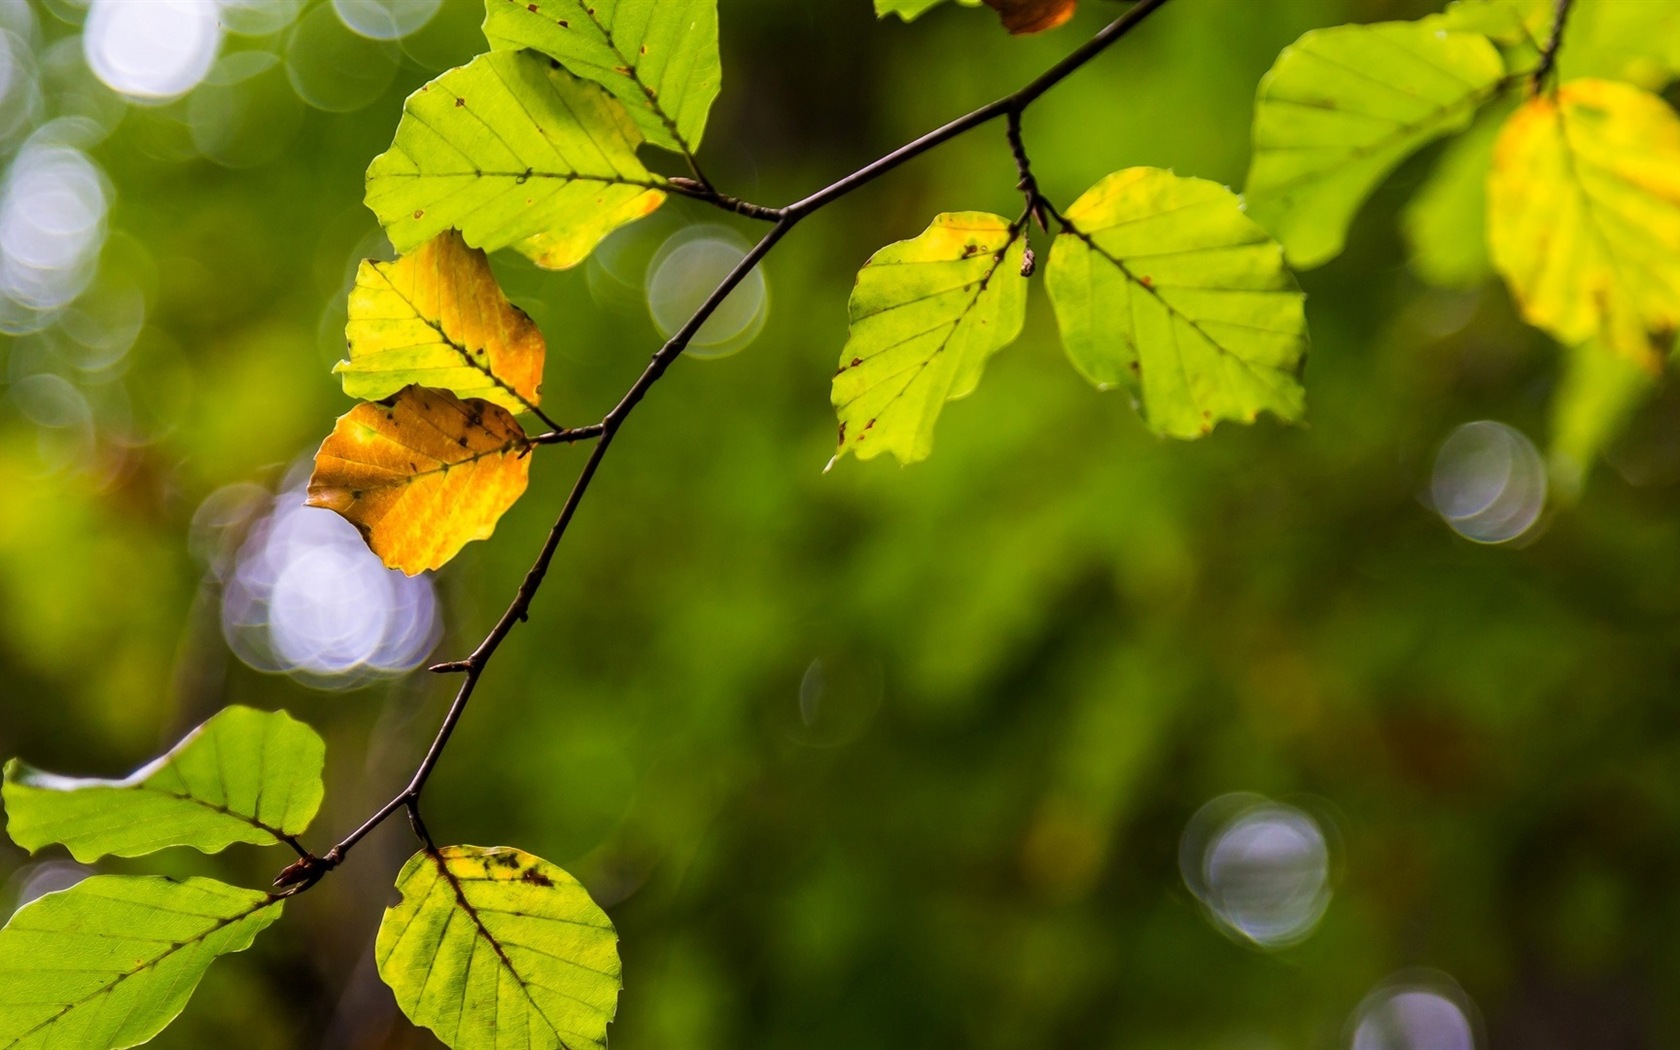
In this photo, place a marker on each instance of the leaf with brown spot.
(1032, 16)
(926, 315)
(422, 474)
(531, 158)
(497, 948)
(436, 317)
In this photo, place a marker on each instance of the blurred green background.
(883, 757)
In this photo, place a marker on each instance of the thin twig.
(1548, 57)
(308, 870)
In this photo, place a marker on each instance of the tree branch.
(309, 869)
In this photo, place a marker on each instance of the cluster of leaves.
(1572, 193)
(480, 941)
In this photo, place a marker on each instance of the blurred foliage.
(1040, 651)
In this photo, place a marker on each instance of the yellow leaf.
(1584, 216)
(421, 474)
(436, 317)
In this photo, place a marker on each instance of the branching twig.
(309, 869)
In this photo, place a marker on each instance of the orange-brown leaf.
(1032, 16)
(421, 474)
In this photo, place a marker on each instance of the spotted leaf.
(422, 474)
(658, 57)
(514, 152)
(926, 314)
(495, 948)
(437, 318)
(1163, 286)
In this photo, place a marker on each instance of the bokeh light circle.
(52, 224)
(385, 19)
(684, 272)
(246, 112)
(259, 17)
(839, 695)
(1260, 868)
(334, 69)
(305, 597)
(154, 50)
(1421, 1010)
(1489, 482)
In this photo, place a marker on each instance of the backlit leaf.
(243, 776)
(1032, 16)
(658, 57)
(436, 317)
(1634, 40)
(910, 10)
(1599, 392)
(1341, 108)
(1584, 216)
(112, 960)
(1445, 222)
(1162, 285)
(925, 315)
(421, 474)
(512, 152)
(495, 948)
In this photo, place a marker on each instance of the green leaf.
(1519, 27)
(910, 10)
(1341, 108)
(1584, 216)
(1445, 222)
(512, 152)
(1162, 285)
(112, 960)
(925, 315)
(243, 776)
(1633, 40)
(1597, 396)
(436, 317)
(496, 948)
(658, 57)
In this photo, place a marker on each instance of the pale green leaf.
(1445, 222)
(243, 776)
(1162, 285)
(1584, 216)
(1597, 395)
(1633, 40)
(512, 152)
(1341, 108)
(926, 314)
(658, 57)
(112, 960)
(494, 948)
(437, 317)
(910, 10)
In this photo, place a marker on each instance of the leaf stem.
(307, 871)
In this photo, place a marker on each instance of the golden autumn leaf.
(437, 318)
(421, 474)
(1584, 216)
(1032, 16)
